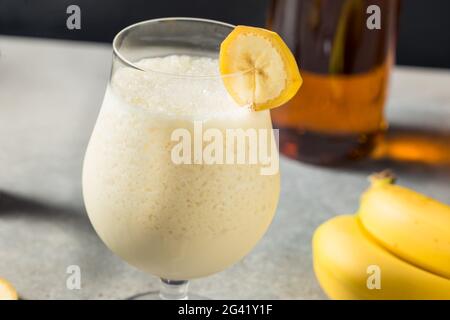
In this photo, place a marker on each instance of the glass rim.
(128, 63)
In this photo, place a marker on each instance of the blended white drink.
(176, 221)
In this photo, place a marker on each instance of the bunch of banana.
(397, 246)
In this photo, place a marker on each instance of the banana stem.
(383, 177)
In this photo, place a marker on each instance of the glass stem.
(174, 289)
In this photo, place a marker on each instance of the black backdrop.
(424, 36)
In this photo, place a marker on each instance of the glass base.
(155, 295)
(169, 290)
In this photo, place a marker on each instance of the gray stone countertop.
(50, 94)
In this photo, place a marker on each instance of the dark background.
(424, 35)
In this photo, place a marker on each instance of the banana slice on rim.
(258, 68)
(7, 291)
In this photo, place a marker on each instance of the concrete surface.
(50, 93)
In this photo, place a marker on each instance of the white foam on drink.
(177, 85)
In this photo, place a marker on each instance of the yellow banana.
(408, 224)
(343, 253)
(7, 291)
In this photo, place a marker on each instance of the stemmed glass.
(177, 221)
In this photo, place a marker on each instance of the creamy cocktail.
(180, 177)
(176, 221)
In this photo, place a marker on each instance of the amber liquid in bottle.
(338, 113)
